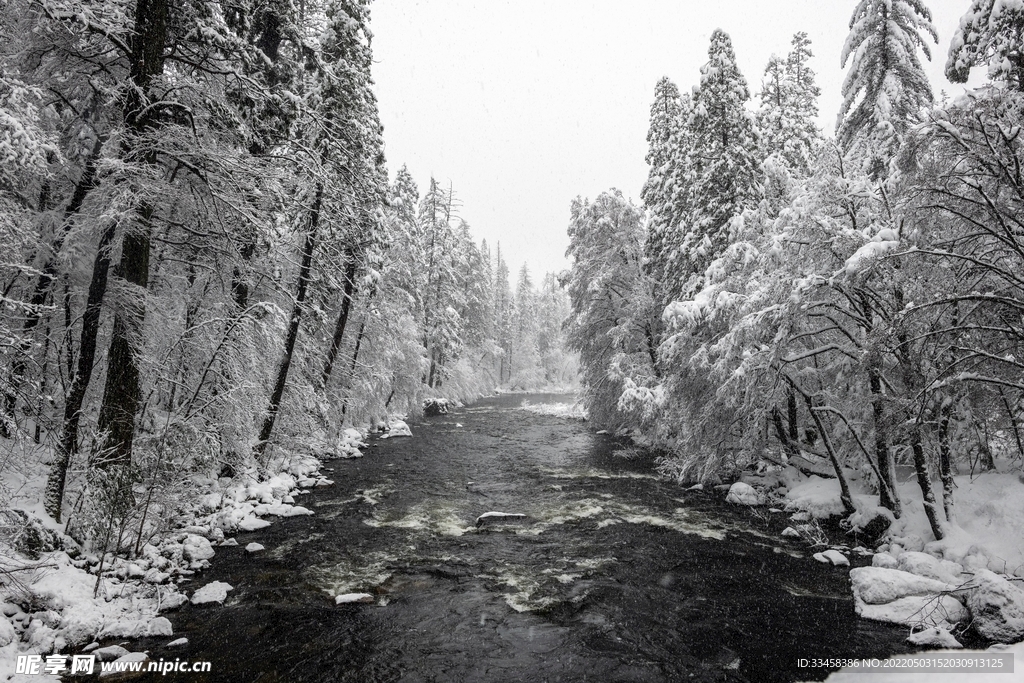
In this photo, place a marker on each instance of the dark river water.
(614, 575)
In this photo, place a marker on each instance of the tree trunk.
(788, 445)
(1013, 422)
(308, 246)
(844, 487)
(946, 461)
(122, 392)
(931, 508)
(794, 423)
(239, 284)
(351, 268)
(888, 497)
(68, 443)
(988, 463)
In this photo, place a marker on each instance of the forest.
(845, 305)
(218, 292)
(207, 267)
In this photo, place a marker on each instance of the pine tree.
(503, 312)
(886, 88)
(605, 244)
(722, 167)
(665, 160)
(992, 33)
(789, 106)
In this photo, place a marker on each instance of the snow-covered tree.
(886, 89)
(662, 194)
(990, 33)
(789, 107)
(722, 169)
(605, 245)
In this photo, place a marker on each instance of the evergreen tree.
(992, 33)
(886, 88)
(605, 245)
(722, 167)
(665, 160)
(789, 106)
(503, 311)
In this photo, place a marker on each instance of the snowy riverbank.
(60, 596)
(966, 587)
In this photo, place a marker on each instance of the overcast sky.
(523, 105)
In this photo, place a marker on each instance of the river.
(613, 575)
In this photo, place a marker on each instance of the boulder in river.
(499, 518)
(879, 585)
(125, 671)
(935, 636)
(437, 406)
(109, 653)
(833, 557)
(997, 607)
(744, 494)
(196, 547)
(899, 597)
(216, 591)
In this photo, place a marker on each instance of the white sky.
(524, 105)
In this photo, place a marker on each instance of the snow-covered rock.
(118, 671)
(216, 591)
(172, 601)
(7, 632)
(252, 523)
(254, 547)
(178, 642)
(935, 610)
(397, 428)
(884, 560)
(817, 496)
(196, 547)
(870, 522)
(743, 494)
(155, 576)
(160, 626)
(934, 637)
(353, 597)
(911, 542)
(924, 564)
(833, 557)
(791, 532)
(110, 653)
(899, 597)
(879, 585)
(996, 607)
(491, 517)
